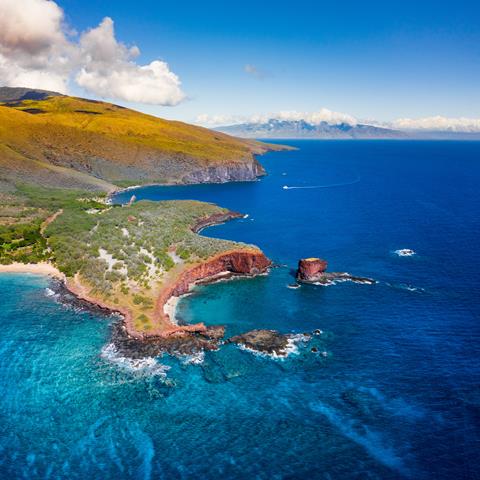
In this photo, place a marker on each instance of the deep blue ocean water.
(396, 396)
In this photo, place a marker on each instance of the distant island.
(275, 128)
(285, 129)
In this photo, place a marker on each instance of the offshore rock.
(269, 342)
(313, 270)
(310, 268)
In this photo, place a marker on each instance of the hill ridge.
(55, 140)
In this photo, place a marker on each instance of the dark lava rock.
(187, 344)
(268, 341)
(214, 332)
(265, 341)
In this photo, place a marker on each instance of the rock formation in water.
(314, 270)
(311, 268)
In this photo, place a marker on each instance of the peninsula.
(62, 156)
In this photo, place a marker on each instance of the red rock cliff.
(248, 261)
(310, 268)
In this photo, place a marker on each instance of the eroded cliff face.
(310, 269)
(313, 270)
(226, 173)
(248, 261)
(215, 219)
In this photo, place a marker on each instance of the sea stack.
(311, 269)
(314, 270)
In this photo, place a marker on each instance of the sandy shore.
(42, 268)
(170, 309)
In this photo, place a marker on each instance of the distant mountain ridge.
(284, 129)
(19, 94)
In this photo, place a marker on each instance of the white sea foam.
(372, 441)
(291, 348)
(405, 286)
(49, 292)
(147, 366)
(193, 359)
(405, 252)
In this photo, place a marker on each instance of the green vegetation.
(70, 142)
(22, 243)
(129, 242)
(58, 153)
(122, 254)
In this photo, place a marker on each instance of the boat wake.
(330, 185)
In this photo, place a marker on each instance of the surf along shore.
(245, 261)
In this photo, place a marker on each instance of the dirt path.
(49, 220)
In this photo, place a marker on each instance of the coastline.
(42, 268)
(267, 147)
(241, 261)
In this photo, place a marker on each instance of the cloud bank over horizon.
(47, 54)
(427, 124)
(315, 118)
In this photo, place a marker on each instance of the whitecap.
(147, 366)
(193, 359)
(405, 252)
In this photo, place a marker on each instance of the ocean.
(393, 392)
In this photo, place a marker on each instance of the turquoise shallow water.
(397, 395)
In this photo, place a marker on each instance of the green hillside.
(70, 142)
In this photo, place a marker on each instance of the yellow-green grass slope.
(68, 142)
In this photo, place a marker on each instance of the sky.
(219, 62)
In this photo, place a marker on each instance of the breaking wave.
(147, 366)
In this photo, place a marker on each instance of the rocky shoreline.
(240, 262)
(247, 262)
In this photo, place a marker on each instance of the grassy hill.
(59, 141)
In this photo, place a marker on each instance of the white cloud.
(438, 123)
(30, 26)
(433, 124)
(220, 120)
(315, 118)
(109, 71)
(35, 51)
